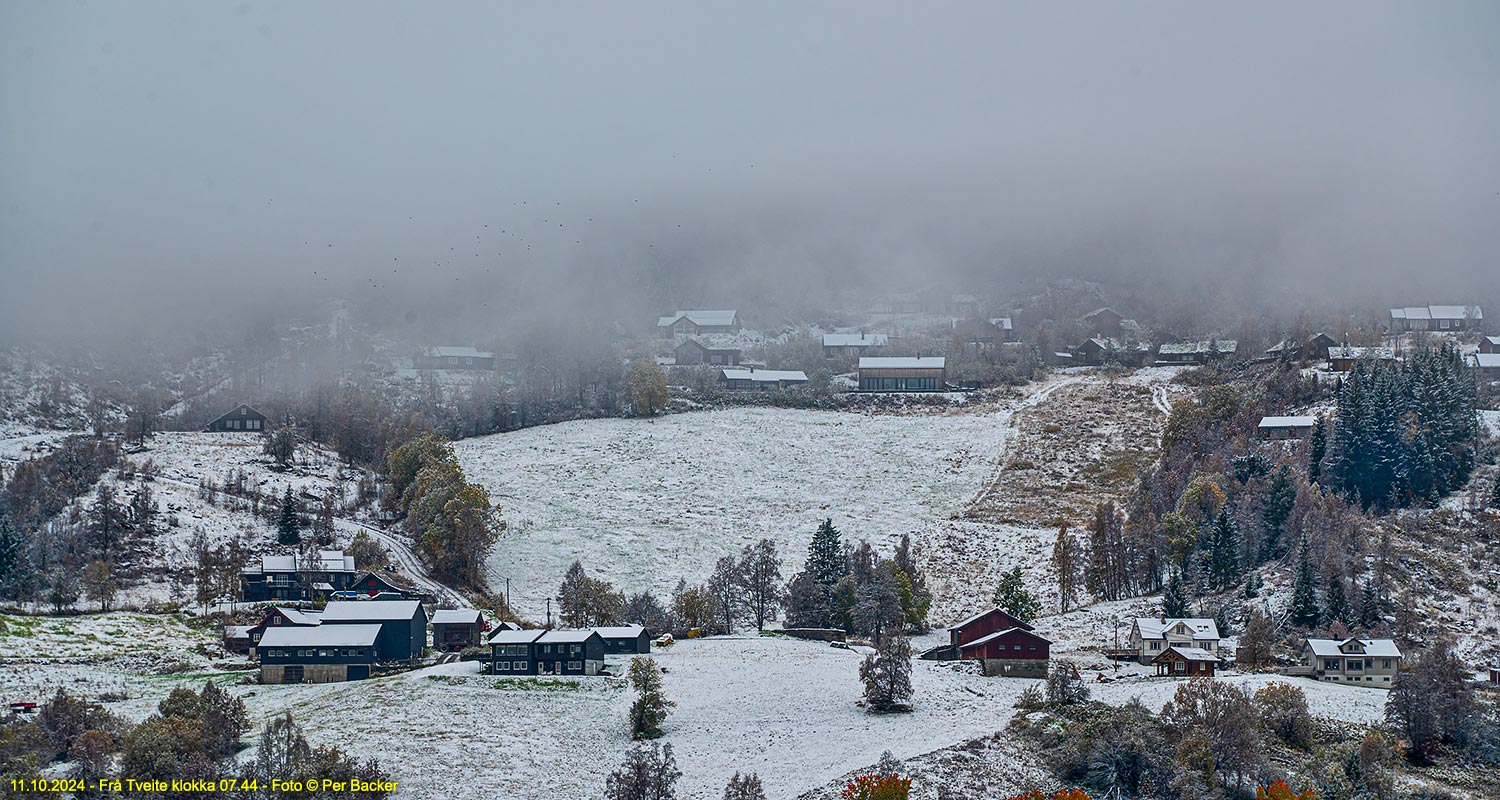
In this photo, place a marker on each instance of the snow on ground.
(646, 502)
(1491, 421)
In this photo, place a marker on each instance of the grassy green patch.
(538, 685)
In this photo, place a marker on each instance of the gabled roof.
(1202, 346)
(888, 362)
(714, 318)
(320, 636)
(1153, 628)
(1288, 422)
(964, 623)
(237, 631)
(1487, 360)
(300, 617)
(1189, 653)
(712, 344)
(854, 340)
(1096, 312)
(374, 610)
(241, 411)
(1377, 648)
(468, 616)
(567, 637)
(453, 351)
(327, 561)
(764, 375)
(997, 634)
(1437, 312)
(512, 636)
(620, 631)
(1494, 340)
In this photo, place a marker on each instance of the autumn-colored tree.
(1280, 791)
(647, 386)
(877, 787)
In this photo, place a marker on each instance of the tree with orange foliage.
(877, 787)
(1065, 794)
(1280, 791)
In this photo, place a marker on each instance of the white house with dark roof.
(1437, 318)
(683, 323)
(1367, 662)
(1150, 637)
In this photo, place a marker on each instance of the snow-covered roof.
(565, 637)
(237, 631)
(717, 318)
(900, 362)
(1202, 629)
(1202, 346)
(1110, 343)
(997, 634)
(1003, 323)
(456, 616)
(321, 636)
(1487, 360)
(328, 561)
(1379, 648)
(1377, 353)
(620, 631)
(764, 375)
(299, 617)
(711, 342)
(510, 636)
(453, 351)
(345, 610)
(1096, 312)
(1494, 340)
(1437, 312)
(1189, 653)
(970, 620)
(1288, 422)
(854, 340)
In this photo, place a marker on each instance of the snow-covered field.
(646, 502)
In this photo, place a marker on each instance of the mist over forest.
(175, 171)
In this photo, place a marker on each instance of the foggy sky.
(181, 163)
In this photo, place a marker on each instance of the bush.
(1282, 709)
(1065, 686)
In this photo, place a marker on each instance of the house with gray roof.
(686, 323)
(317, 653)
(1200, 352)
(1437, 318)
(1293, 427)
(1150, 637)
(1366, 662)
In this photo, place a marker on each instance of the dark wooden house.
(1342, 359)
(738, 379)
(569, 653)
(625, 639)
(1294, 427)
(510, 652)
(1487, 365)
(241, 420)
(921, 374)
(692, 351)
(981, 625)
(1105, 321)
(1097, 350)
(317, 653)
(1489, 344)
(836, 345)
(403, 625)
(1185, 662)
(276, 618)
(371, 584)
(1317, 346)
(454, 630)
(286, 578)
(1016, 652)
(687, 323)
(455, 358)
(237, 639)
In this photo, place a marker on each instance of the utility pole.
(549, 613)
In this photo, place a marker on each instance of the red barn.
(1013, 652)
(980, 625)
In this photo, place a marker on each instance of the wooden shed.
(1013, 653)
(454, 630)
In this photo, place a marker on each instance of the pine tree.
(1305, 610)
(287, 528)
(1224, 549)
(825, 556)
(886, 675)
(1281, 496)
(1495, 493)
(744, 787)
(1174, 601)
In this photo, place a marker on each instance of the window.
(1031, 647)
(1355, 665)
(1385, 664)
(322, 653)
(575, 665)
(518, 665)
(252, 424)
(1156, 645)
(275, 620)
(1330, 663)
(576, 649)
(1015, 647)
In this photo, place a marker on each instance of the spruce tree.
(1224, 549)
(825, 556)
(1012, 598)
(1281, 496)
(650, 708)
(1369, 606)
(1317, 447)
(1305, 610)
(1174, 601)
(1495, 493)
(1336, 603)
(287, 529)
(10, 550)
